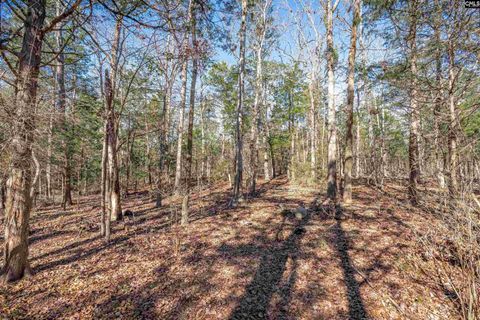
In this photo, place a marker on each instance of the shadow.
(37, 238)
(356, 308)
(267, 280)
(79, 254)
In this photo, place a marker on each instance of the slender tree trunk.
(61, 108)
(161, 179)
(112, 128)
(237, 186)
(256, 121)
(322, 141)
(104, 177)
(115, 198)
(19, 201)
(348, 165)
(313, 127)
(191, 114)
(183, 93)
(266, 167)
(33, 189)
(112, 179)
(203, 142)
(48, 171)
(357, 139)
(254, 141)
(183, 98)
(452, 133)
(413, 154)
(266, 145)
(147, 152)
(332, 130)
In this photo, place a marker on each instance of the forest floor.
(257, 261)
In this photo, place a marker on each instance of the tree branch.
(62, 16)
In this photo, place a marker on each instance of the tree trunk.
(313, 127)
(114, 192)
(147, 152)
(256, 121)
(19, 201)
(48, 171)
(266, 145)
(254, 141)
(348, 165)
(111, 131)
(239, 111)
(413, 153)
(112, 128)
(103, 186)
(191, 114)
(452, 132)
(61, 108)
(357, 139)
(183, 98)
(332, 130)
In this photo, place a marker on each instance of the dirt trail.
(258, 261)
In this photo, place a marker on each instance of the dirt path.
(258, 261)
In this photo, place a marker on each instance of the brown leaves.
(251, 262)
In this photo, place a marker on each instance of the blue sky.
(289, 14)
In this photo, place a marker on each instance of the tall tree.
(332, 129)
(183, 100)
(347, 192)
(261, 32)
(19, 200)
(452, 106)
(413, 154)
(191, 113)
(237, 185)
(61, 108)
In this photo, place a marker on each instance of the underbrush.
(453, 248)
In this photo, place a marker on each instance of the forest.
(240, 159)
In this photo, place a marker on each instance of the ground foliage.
(266, 259)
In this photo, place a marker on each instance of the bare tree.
(347, 192)
(332, 130)
(183, 99)
(191, 113)
(261, 31)
(61, 108)
(237, 185)
(413, 154)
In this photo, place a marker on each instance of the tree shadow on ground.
(356, 307)
(149, 221)
(267, 281)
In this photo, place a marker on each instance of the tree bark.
(452, 132)
(61, 108)
(438, 99)
(357, 139)
(237, 186)
(332, 130)
(348, 165)
(191, 114)
(48, 170)
(313, 127)
(183, 98)
(112, 129)
(413, 154)
(19, 201)
(254, 142)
